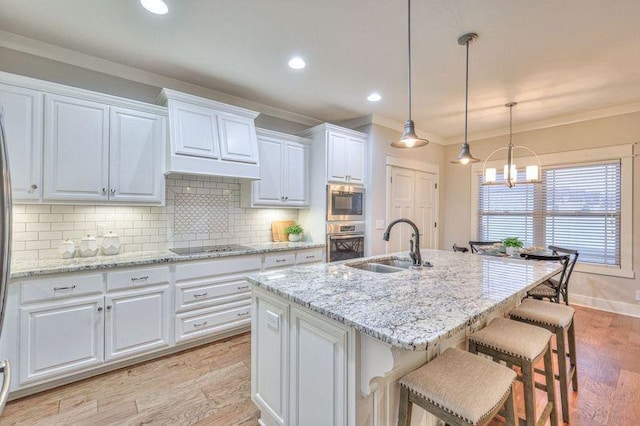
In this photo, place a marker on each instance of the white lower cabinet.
(137, 322)
(292, 348)
(60, 337)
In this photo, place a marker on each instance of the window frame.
(623, 153)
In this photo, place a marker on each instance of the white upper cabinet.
(238, 139)
(210, 138)
(339, 151)
(345, 158)
(136, 156)
(284, 172)
(76, 148)
(194, 130)
(22, 112)
(97, 152)
(72, 145)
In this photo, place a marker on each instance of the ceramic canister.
(111, 244)
(67, 249)
(88, 246)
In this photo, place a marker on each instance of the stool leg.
(510, 409)
(571, 336)
(529, 385)
(562, 373)
(550, 379)
(404, 415)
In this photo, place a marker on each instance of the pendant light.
(465, 156)
(409, 139)
(510, 173)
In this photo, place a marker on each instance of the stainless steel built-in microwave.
(345, 203)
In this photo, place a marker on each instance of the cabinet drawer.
(279, 260)
(227, 265)
(193, 325)
(61, 287)
(137, 278)
(212, 292)
(309, 256)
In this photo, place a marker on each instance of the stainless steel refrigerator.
(5, 251)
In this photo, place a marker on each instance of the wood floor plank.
(210, 385)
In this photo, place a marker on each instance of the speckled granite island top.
(412, 309)
(29, 268)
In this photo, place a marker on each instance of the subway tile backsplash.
(200, 210)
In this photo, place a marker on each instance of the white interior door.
(401, 205)
(413, 195)
(425, 208)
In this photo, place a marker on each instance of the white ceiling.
(556, 58)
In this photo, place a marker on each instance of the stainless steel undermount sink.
(383, 266)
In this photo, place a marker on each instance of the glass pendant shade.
(409, 139)
(490, 175)
(465, 156)
(532, 173)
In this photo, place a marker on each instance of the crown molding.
(383, 121)
(553, 122)
(56, 53)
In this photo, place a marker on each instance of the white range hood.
(210, 138)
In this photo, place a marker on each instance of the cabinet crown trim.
(76, 92)
(167, 94)
(327, 127)
(265, 133)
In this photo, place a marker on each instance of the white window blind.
(575, 207)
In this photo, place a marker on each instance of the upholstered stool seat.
(522, 345)
(459, 388)
(557, 319)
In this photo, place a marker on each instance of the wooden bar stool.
(522, 345)
(557, 319)
(459, 388)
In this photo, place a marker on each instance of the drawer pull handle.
(134, 279)
(243, 287)
(310, 257)
(200, 294)
(203, 323)
(70, 287)
(280, 260)
(243, 314)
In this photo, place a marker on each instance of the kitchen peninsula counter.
(371, 328)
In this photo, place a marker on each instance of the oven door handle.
(345, 237)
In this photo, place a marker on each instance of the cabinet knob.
(33, 188)
(113, 191)
(286, 198)
(104, 191)
(99, 308)
(109, 307)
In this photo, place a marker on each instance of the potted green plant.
(511, 244)
(294, 232)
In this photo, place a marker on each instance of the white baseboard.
(622, 308)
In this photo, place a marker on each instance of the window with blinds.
(576, 207)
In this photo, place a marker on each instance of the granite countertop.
(412, 309)
(29, 268)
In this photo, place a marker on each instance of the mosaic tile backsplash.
(200, 210)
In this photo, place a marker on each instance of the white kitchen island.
(329, 342)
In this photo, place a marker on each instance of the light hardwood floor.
(210, 385)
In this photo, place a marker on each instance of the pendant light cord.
(466, 96)
(409, 44)
(511, 125)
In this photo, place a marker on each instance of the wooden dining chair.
(554, 289)
(479, 244)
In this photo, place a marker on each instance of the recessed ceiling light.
(374, 97)
(155, 6)
(297, 63)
